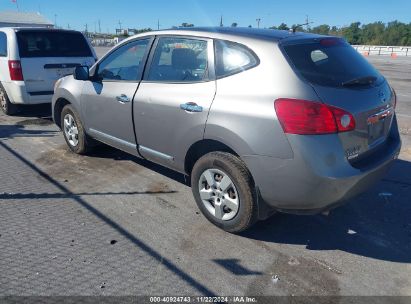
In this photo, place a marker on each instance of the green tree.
(323, 29)
(185, 24)
(235, 24)
(283, 27)
(353, 33)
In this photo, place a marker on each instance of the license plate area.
(378, 125)
(64, 72)
(376, 132)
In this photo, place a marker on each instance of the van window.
(232, 58)
(329, 62)
(52, 44)
(3, 44)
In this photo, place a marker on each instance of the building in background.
(23, 19)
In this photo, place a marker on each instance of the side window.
(232, 58)
(125, 63)
(3, 45)
(179, 60)
(319, 57)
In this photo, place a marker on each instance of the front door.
(173, 100)
(108, 100)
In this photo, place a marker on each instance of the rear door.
(47, 55)
(342, 78)
(172, 103)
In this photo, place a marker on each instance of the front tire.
(73, 131)
(224, 191)
(6, 106)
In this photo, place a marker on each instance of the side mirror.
(81, 73)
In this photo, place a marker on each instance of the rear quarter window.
(3, 44)
(52, 44)
(329, 62)
(233, 58)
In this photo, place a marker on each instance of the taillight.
(308, 117)
(16, 72)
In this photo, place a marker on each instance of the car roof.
(34, 28)
(233, 32)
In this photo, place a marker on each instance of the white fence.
(375, 50)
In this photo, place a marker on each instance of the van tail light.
(16, 72)
(307, 117)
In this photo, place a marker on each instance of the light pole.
(258, 22)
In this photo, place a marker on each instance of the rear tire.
(224, 191)
(73, 130)
(6, 106)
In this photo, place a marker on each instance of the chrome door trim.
(114, 141)
(156, 154)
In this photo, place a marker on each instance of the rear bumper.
(16, 90)
(319, 177)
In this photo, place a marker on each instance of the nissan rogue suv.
(262, 120)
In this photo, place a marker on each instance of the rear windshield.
(52, 44)
(331, 62)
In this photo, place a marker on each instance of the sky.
(142, 14)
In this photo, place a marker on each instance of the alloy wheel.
(219, 194)
(71, 130)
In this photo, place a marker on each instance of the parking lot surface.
(111, 224)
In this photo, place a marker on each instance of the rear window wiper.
(366, 80)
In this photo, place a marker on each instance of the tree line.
(393, 33)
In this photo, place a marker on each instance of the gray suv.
(261, 120)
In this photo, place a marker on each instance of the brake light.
(16, 72)
(307, 117)
(331, 42)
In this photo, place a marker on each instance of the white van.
(33, 59)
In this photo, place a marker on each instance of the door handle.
(123, 98)
(191, 107)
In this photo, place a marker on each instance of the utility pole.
(307, 21)
(99, 26)
(221, 21)
(158, 24)
(119, 23)
(258, 22)
(55, 20)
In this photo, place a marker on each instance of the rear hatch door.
(342, 78)
(47, 55)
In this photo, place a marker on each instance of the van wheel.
(73, 131)
(224, 191)
(6, 106)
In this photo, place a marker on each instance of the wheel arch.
(201, 148)
(58, 108)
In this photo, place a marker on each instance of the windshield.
(52, 44)
(331, 62)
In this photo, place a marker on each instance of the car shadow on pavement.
(170, 265)
(376, 224)
(12, 131)
(107, 152)
(40, 110)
